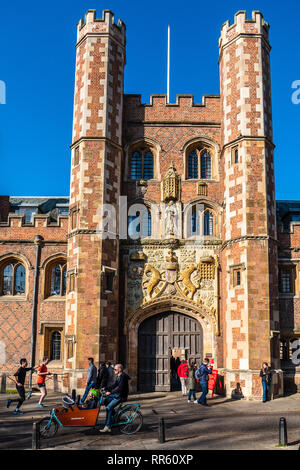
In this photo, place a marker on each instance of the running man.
(19, 378)
(42, 374)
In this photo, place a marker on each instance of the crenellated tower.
(93, 259)
(249, 256)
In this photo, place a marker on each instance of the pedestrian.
(102, 377)
(41, 382)
(202, 374)
(266, 378)
(91, 379)
(183, 374)
(173, 366)
(115, 394)
(19, 378)
(191, 384)
(111, 374)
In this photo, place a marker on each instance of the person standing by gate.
(191, 384)
(183, 374)
(202, 374)
(266, 377)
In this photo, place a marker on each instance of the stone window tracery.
(140, 224)
(13, 278)
(199, 164)
(142, 164)
(201, 221)
(56, 279)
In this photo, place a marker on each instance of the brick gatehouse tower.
(171, 243)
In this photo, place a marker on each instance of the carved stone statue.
(171, 219)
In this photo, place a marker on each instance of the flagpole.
(168, 67)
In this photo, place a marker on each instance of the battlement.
(38, 221)
(104, 25)
(183, 110)
(243, 25)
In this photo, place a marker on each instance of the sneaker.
(195, 401)
(8, 403)
(105, 429)
(189, 401)
(41, 405)
(18, 412)
(29, 395)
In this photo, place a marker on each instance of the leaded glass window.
(55, 346)
(140, 225)
(208, 223)
(7, 284)
(13, 276)
(205, 165)
(142, 165)
(286, 281)
(193, 172)
(58, 279)
(199, 164)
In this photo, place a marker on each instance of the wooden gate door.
(158, 335)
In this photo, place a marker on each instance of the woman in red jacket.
(183, 372)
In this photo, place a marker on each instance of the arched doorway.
(158, 335)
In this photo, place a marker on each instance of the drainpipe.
(38, 240)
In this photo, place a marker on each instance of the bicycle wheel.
(129, 427)
(45, 432)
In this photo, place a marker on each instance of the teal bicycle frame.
(121, 408)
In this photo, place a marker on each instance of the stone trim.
(247, 238)
(104, 139)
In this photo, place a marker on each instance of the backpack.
(197, 374)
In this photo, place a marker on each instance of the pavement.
(225, 424)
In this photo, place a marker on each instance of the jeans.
(192, 392)
(183, 385)
(265, 390)
(87, 389)
(202, 399)
(111, 402)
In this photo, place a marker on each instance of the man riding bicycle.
(115, 394)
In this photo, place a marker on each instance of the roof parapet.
(38, 220)
(162, 100)
(106, 24)
(244, 25)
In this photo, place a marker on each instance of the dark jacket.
(120, 386)
(266, 377)
(92, 374)
(204, 372)
(102, 377)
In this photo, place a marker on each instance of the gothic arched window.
(199, 164)
(55, 346)
(13, 276)
(56, 278)
(142, 164)
(140, 224)
(200, 222)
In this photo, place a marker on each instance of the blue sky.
(38, 62)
